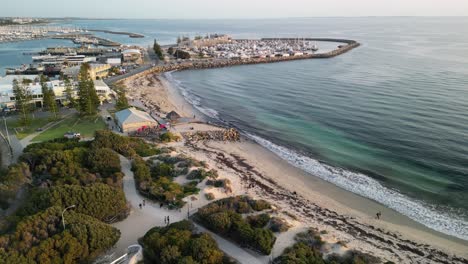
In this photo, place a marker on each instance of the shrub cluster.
(224, 217)
(154, 184)
(63, 161)
(126, 146)
(58, 174)
(168, 137)
(306, 250)
(40, 238)
(178, 243)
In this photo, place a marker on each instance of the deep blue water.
(387, 121)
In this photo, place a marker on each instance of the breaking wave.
(367, 187)
(192, 99)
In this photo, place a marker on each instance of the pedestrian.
(140, 206)
(144, 202)
(168, 221)
(165, 220)
(378, 215)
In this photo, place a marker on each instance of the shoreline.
(350, 216)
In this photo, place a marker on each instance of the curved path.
(141, 220)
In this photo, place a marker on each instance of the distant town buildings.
(7, 98)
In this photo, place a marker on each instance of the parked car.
(72, 135)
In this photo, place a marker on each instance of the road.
(150, 60)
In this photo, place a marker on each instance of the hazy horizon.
(241, 9)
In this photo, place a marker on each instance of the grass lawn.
(23, 132)
(84, 125)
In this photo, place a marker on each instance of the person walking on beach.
(378, 215)
(140, 206)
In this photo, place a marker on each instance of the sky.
(213, 9)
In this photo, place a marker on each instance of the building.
(210, 40)
(114, 61)
(131, 119)
(96, 71)
(103, 91)
(131, 55)
(7, 98)
(99, 71)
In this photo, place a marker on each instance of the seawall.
(348, 45)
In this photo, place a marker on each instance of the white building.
(7, 98)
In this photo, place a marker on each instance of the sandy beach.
(304, 200)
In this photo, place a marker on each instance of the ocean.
(387, 121)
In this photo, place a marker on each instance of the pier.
(132, 35)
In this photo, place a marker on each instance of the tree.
(180, 54)
(23, 98)
(170, 50)
(122, 102)
(48, 97)
(88, 101)
(69, 93)
(157, 49)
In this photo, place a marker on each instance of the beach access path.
(142, 220)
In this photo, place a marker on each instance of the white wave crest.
(192, 99)
(367, 187)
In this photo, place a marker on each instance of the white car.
(72, 135)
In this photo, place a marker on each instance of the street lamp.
(63, 219)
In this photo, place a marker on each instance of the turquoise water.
(387, 121)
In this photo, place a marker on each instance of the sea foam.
(192, 99)
(367, 187)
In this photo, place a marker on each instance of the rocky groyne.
(348, 45)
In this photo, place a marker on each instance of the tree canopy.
(88, 100)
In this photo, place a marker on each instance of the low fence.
(133, 256)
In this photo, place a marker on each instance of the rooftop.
(132, 115)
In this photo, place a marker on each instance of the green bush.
(161, 188)
(100, 201)
(168, 137)
(40, 238)
(258, 221)
(201, 174)
(300, 253)
(224, 217)
(162, 169)
(104, 161)
(278, 225)
(178, 243)
(209, 196)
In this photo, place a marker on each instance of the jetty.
(132, 35)
(88, 39)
